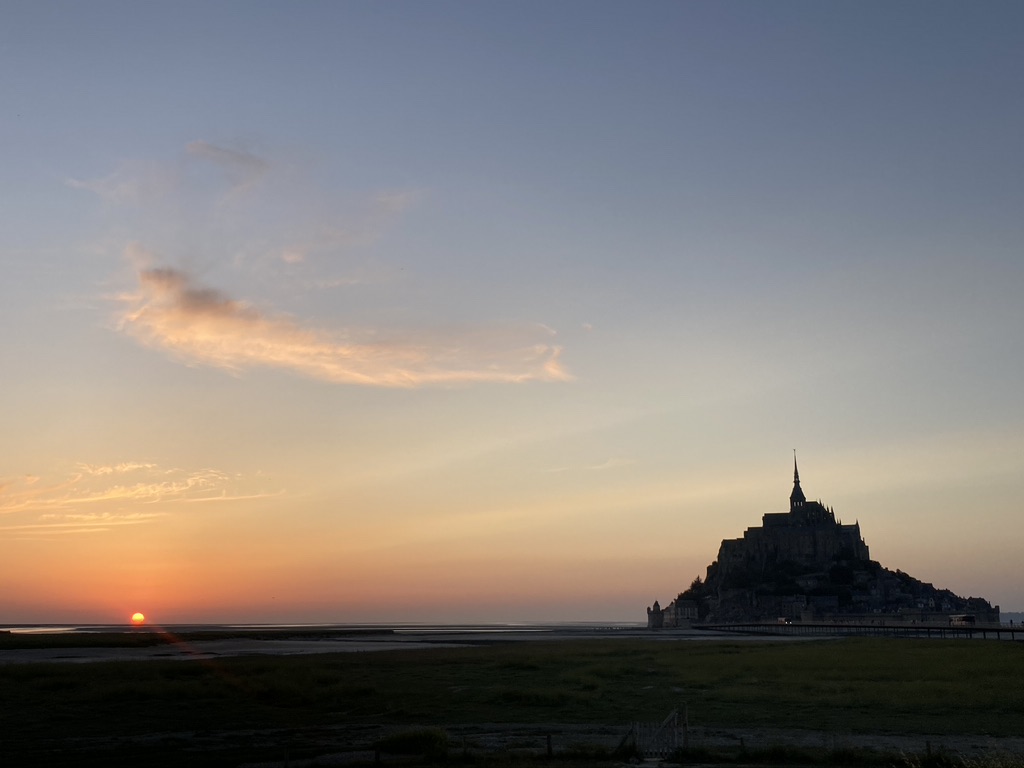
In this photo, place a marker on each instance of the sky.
(459, 312)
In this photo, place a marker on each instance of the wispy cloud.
(172, 312)
(116, 469)
(136, 183)
(131, 185)
(64, 524)
(114, 188)
(361, 230)
(615, 463)
(95, 497)
(612, 463)
(242, 169)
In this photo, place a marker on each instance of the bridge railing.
(878, 629)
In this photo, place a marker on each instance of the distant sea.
(1017, 617)
(397, 628)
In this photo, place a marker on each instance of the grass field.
(850, 685)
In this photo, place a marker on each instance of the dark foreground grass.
(850, 685)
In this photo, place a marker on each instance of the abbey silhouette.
(805, 564)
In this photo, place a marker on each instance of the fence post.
(686, 726)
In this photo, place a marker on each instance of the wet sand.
(403, 639)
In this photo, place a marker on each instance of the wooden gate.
(657, 739)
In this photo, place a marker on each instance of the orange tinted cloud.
(198, 325)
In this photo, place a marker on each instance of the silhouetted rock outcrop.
(806, 565)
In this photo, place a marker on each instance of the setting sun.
(138, 618)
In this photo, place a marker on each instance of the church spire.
(796, 498)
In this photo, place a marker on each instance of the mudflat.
(191, 645)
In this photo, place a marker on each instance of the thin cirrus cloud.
(135, 183)
(363, 230)
(130, 186)
(612, 463)
(92, 498)
(170, 311)
(242, 169)
(70, 523)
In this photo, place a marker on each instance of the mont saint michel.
(806, 565)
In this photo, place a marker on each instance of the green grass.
(849, 685)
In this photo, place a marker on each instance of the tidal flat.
(870, 699)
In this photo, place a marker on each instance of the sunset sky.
(481, 311)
